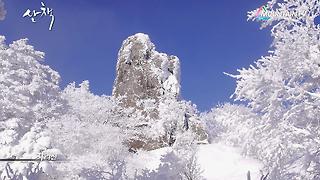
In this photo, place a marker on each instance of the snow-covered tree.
(91, 145)
(87, 106)
(232, 124)
(29, 98)
(175, 117)
(283, 88)
(186, 150)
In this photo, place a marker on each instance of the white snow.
(143, 39)
(146, 160)
(218, 162)
(172, 85)
(221, 162)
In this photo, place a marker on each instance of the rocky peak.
(144, 73)
(147, 79)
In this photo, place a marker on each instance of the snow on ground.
(146, 160)
(218, 162)
(222, 162)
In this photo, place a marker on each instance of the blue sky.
(210, 37)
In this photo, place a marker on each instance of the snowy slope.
(221, 162)
(218, 162)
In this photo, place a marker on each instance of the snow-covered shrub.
(91, 148)
(169, 169)
(232, 124)
(87, 146)
(87, 106)
(178, 164)
(186, 149)
(33, 172)
(175, 118)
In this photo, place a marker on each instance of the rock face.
(145, 79)
(144, 73)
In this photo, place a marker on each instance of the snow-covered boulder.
(149, 82)
(144, 73)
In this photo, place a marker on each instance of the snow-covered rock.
(144, 73)
(149, 82)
